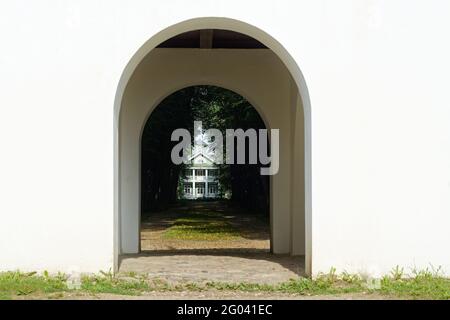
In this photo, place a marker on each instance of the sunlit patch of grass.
(425, 284)
(201, 226)
(108, 283)
(16, 283)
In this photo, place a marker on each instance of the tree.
(216, 108)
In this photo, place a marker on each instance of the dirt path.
(254, 230)
(224, 295)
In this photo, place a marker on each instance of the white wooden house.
(200, 178)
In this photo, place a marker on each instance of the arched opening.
(204, 207)
(252, 64)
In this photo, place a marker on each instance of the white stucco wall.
(377, 77)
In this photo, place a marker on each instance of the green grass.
(24, 284)
(422, 285)
(201, 227)
(107, 283)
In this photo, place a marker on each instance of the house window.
(212, 173)
(188, 188)
(212, 188)
(200, 188)
(188, 173)
(200, 172)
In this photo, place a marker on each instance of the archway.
(269, 78)
(202, 208)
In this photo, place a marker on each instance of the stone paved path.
(200, 266)
(246, 259)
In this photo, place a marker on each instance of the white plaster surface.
(377, 120)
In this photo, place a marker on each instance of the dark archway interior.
(216, 108)
(212, 39)
(230, 206)
(235, 213)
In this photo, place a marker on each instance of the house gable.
(201, 160)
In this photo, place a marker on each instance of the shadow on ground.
(244, 257)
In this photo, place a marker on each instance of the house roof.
(209, 161)
(201, 154)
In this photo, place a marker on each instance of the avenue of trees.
(216, 108)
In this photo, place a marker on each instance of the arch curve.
(129, 79)
(214, 23)
(202, 83)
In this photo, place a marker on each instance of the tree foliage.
(216, 108)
